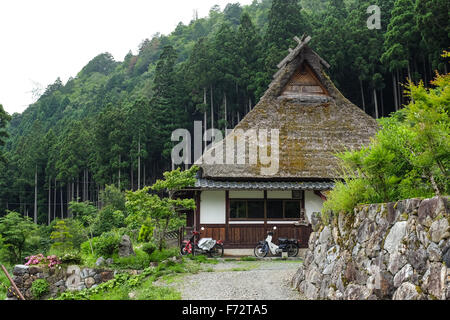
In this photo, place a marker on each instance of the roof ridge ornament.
(293, 53)
(291, 56)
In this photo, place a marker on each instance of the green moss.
(419, 290)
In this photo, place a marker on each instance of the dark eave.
(207, 184)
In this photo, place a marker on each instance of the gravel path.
(264, 280)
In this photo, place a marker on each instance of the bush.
(345, 196)
(39, 288)
(107, 244)
(108, 218)
(71, 258)
(149, 248)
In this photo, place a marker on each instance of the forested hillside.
(111, 123)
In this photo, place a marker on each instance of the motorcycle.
(208, 246)
(285, 245)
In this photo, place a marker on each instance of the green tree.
(62, 237)
(408, 158)
(16, 231)
(4, 119)
(163, 212)
(286, 20)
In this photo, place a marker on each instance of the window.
(292, 209)
(238, 209)
(255, 209)
(275, 209)
(247, 209)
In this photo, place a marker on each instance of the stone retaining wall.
(59, 279)
(382, 251)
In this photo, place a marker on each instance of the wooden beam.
(326, 64)
(294, 52)
(12, 283)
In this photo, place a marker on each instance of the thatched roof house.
(237, 200)
(314, 119)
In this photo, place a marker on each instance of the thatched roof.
(315, 121)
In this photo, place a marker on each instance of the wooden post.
(12, 283)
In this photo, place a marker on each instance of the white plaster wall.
(246, 195)
(212, 207)
(279, 194)
(313, 203)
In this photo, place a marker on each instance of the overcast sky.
(41, 40)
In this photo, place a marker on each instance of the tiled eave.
(207, 184)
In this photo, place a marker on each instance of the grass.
(4, 281)
(249, 259)
(246, 266)
(141, 287)
(203, 259)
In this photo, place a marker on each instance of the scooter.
(207, 246)
(286, 245)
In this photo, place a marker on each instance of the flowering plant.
(39, 259)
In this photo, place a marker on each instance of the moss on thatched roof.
(312, 127)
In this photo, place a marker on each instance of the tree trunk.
(119, 171)
(139, 163)
(376, 102)
(399, 90)
(72, 195)
(394, 89)
(132, 182)
(382, 103)
(78, 187)
(54, 201)
(225, 112)
(425, 77)
(362, 95)
(87, 184)
(205, 119)
(409, 72)
(49, 199)
(143, 176)
(212, 107)
(35, 195)
(98, 197)
(62, 211)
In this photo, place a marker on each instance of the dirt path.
(243, 280)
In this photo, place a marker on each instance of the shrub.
(39, 288)
(108, 218)
(107, 244)
(345, 196)
(71, 258)
(40, 259)
(149, 248)
(146, 232)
